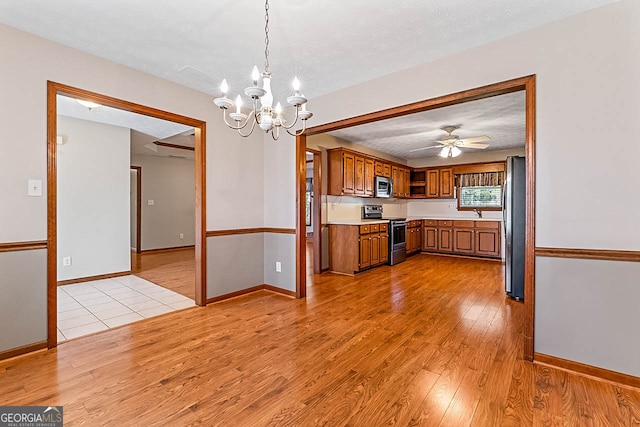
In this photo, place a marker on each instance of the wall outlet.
(35, 188)
(150, 202)
(182, 235)
(450, 205)
(66, 261)
(278, 267)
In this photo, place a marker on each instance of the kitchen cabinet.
(401, 181)
(359, 175)
(463, 237)
(354, 248)
(369, 177)
(439, 183)
(414, 237)
(418, 184)
(488, 241)
(445, 236)
(446, 183)
(430, 235)
(382, 169)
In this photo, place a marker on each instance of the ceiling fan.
(450, 144)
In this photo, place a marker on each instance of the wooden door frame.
(138, 170)
(317, 211)
(527, 84)
(54, 89)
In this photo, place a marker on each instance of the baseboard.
(279, 290)
(235, 294)
(19, 351)
(586, 370)
(263, 287)
(175, 248)
(480, 258)
(90, 278)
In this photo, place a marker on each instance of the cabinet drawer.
(445, 223)
(375, 228)
(430, 223)
(384, 227)
(365, 229)
(488, 224)
(467, 224)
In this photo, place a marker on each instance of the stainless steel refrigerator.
(513, 213)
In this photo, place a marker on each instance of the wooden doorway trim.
(527, 84)
(54, 89)
(138, 170)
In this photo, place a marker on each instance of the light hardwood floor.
(172, 269)
(431, 341)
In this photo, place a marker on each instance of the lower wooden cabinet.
(488, 242)
(414, 237)
(464, 237)
(353, 248)
(445, 236)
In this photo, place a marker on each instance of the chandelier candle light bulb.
(264, 115)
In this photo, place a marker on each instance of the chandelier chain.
(266, 36)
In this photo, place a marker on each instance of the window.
(480, 197)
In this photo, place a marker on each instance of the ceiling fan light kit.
(450, 144)
(268, 118)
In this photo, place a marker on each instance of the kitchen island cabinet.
(354, 248)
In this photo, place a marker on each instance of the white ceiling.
(328, 44)
(502, 118)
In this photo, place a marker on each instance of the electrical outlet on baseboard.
(182, 235)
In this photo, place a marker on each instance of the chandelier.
(268, 118)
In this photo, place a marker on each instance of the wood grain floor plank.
(431, 341)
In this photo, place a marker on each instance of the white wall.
(170, 183)
(587, 110)
(93, 198)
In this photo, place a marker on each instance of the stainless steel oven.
(397, 240)
(397, 233)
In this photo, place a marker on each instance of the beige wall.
(234, 176)
(170, 183)
(587, 109)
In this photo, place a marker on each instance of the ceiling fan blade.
(482, 138)
(426, 148)
(468, 145)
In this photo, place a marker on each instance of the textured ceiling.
(144, 129)
(157, 128)
(328, 44)
(502, 118)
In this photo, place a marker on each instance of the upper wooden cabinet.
(382, 169)
(433, 183)
(439, 183)
(446, 183)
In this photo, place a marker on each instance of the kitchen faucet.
(479, 213)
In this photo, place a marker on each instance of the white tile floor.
(88, 307)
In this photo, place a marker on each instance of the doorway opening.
(197, 129)
(313, 212)
(526, 84)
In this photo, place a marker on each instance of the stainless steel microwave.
(383, 187)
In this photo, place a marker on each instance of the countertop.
(448, 218)
(359, 222)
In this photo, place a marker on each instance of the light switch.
(35, 188)
(150, 202)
